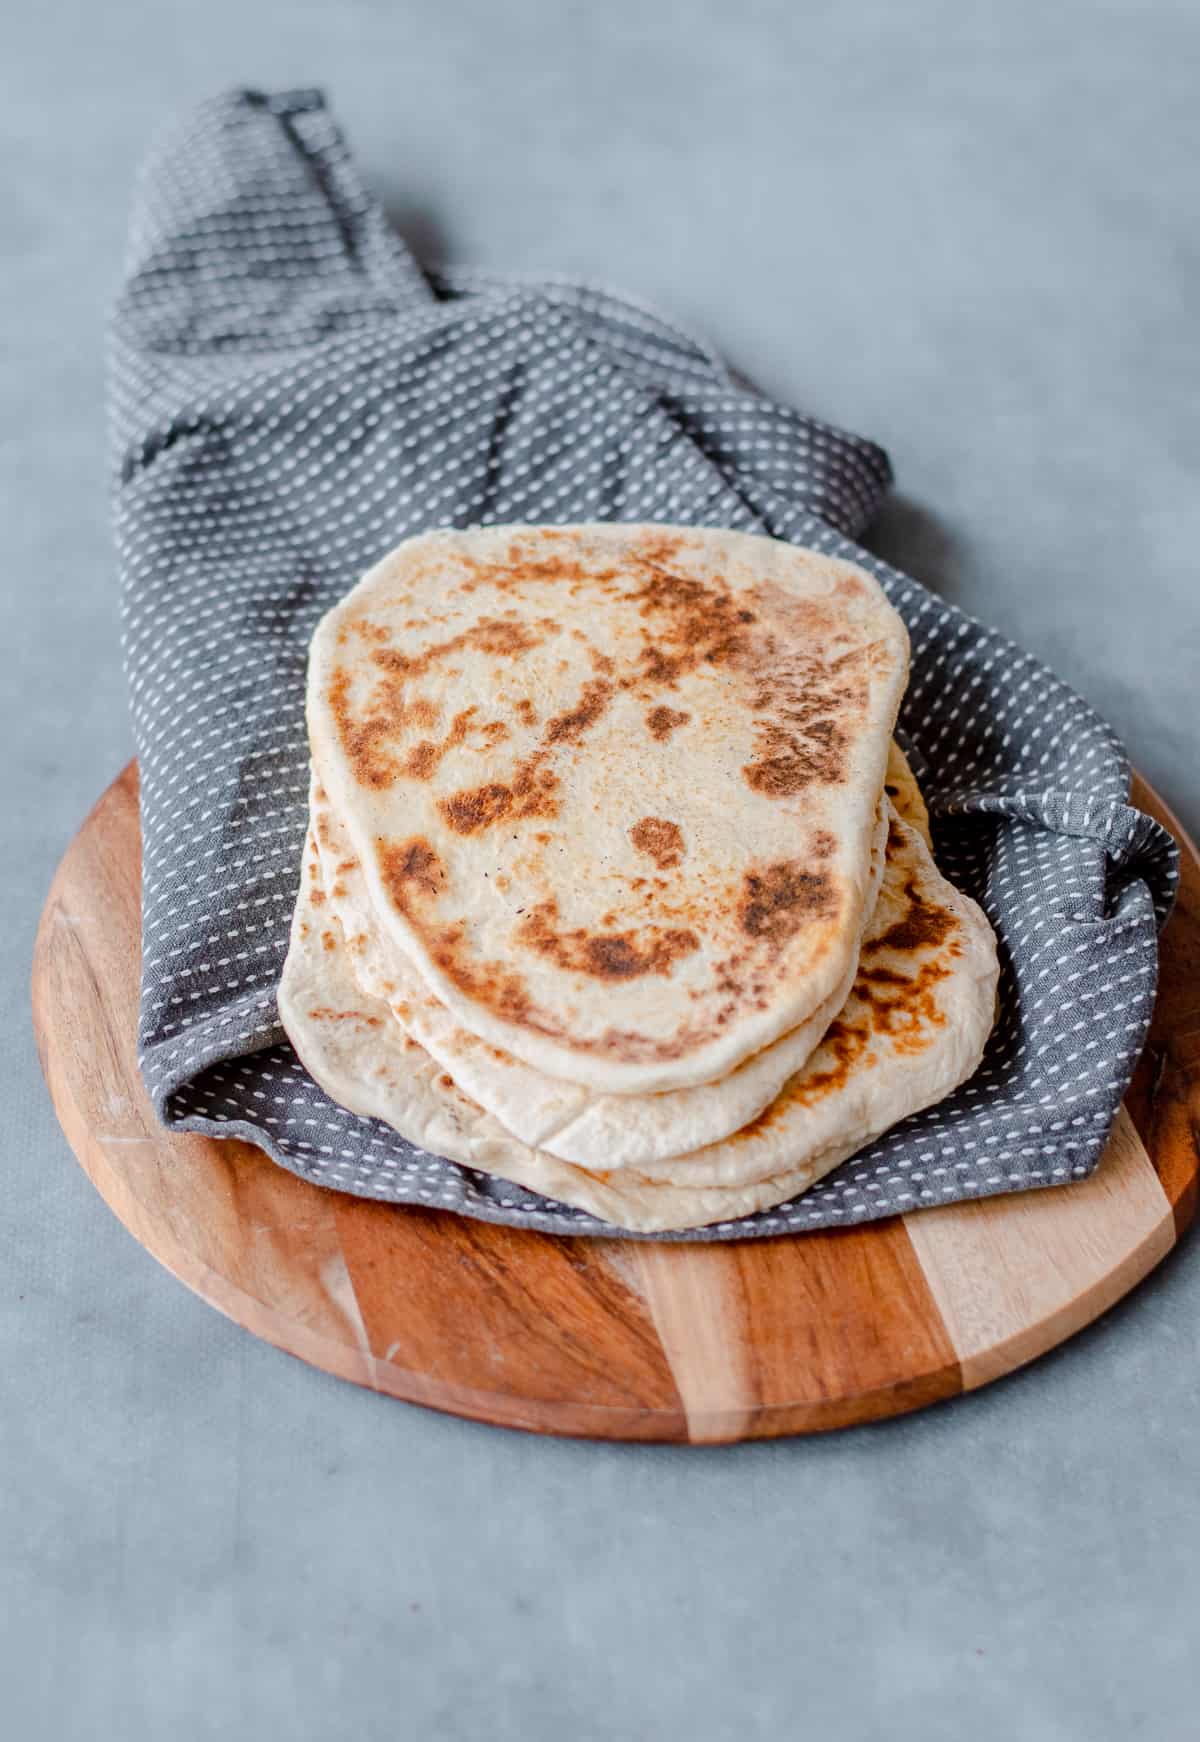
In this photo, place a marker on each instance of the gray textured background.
(200, 1538)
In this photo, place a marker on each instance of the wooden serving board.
(612, 1339)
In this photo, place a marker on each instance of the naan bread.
(568, 1120)
(912, 1029)
(363, 1060)
(613, 788)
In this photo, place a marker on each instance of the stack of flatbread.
(616, 884)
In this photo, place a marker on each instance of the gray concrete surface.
(202, 1539)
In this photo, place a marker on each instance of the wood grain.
(1057, 1264)
(612, 1339)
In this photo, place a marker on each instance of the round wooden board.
(611, 1339)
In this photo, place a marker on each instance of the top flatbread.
(613, 788)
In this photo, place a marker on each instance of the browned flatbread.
(912, 1029)
(613, 788)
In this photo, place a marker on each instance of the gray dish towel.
(291, 396)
